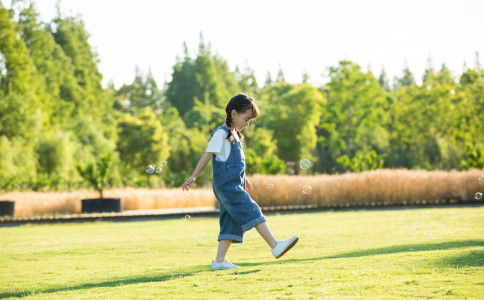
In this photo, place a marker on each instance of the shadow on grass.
(246, 272)
(379, 251)
(111, 283)
(472, 258)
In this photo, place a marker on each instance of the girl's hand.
(186, 184)
(249, 186)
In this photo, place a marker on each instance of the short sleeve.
(216, 142)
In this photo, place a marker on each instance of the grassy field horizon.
(417, 253)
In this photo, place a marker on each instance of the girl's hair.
(241, 103)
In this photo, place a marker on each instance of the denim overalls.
(238, 212)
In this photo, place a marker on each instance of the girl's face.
(241, 120)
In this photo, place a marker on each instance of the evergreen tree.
(429, 70)
(280, 75)
(60, 87)
(20, 107)
(206, 78)
(268, 80)
(406, 79)
(383, 80)
(305, 77)
(142, 92)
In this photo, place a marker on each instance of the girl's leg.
(266, 233)
(223, 246)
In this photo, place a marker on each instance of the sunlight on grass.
(413, 253)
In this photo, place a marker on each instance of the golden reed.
(383, 187)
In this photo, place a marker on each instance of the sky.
(268, 35)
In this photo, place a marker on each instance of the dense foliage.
(55, 114)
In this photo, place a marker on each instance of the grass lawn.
(383, 254)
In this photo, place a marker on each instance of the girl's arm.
(249, 185)
(201, 164)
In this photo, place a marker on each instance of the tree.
(142, 141)
(383, 80)
(406, 79)
(142, 92)
(95, 173)
(207, 77)
(362, 161)
(293, 115)
(20, 107)
(354, 116)
(261, 153)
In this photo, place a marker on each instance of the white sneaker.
(225, 265)
(284, 246)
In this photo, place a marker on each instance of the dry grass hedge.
(372, 188)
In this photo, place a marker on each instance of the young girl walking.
(238, 211)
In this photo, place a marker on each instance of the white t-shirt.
(220, 145)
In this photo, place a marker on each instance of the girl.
(238, 212)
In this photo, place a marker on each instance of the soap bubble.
(481, 177)
(270, 186)
(305, 164)
(150, 169)
(159, 170)
(187, 217)
(306, 189)
(478, 196)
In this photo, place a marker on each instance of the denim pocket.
(234, 170)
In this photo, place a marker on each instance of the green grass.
(384, 254)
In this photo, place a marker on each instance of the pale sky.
(297, 36)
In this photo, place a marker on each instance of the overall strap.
(223, 127)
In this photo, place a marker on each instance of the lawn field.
(418, 253)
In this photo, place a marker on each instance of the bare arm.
(201, 164)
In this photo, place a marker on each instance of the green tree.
(247, 81)
(354, 117)
(362, 161)
(20, 107)
(60, 89)
(261, 152)
(292, 116)
(407, 79)
(383, 80)
(205, 78)
(95, 173)
(142, 141)
(142, 92)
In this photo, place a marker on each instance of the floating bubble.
(481, 177)
(187, 217)
(452, 92)
(478, 196)
(306, 189)
(305, 164)
(425, 214)
(270, 186)
(429, 236)
(159, 170)
(150, 169)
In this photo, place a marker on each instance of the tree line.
(55, 114)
